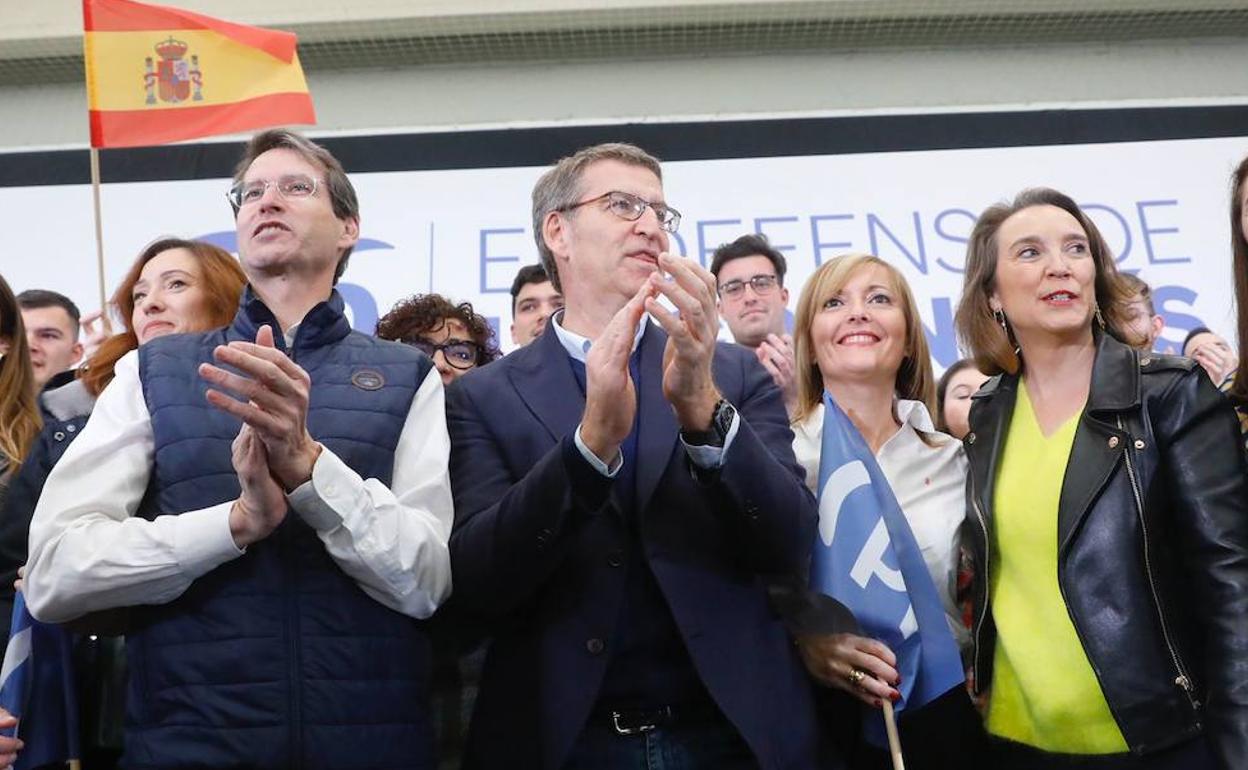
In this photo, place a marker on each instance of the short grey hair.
(341, 192)
(560, 187)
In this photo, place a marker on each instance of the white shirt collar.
(578, 346)
(909, 413)
(915, 413)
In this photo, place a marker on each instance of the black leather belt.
(633, 721)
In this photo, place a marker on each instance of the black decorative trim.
(501, 148)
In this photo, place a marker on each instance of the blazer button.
(58, 436)
(543, 537)
(1113, 442)
(970, 438)
(70, 428)
(595, 646)
(615, 559)
(1139, 443)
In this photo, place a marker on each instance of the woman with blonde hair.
(859, 338)
(1110, 515)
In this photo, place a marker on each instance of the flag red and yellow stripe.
(157, 74)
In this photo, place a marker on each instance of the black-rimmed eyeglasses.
(629, 207)
(762, 285)
(461, 354)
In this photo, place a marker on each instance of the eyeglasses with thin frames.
(289, 186)
(461, 354)
(629, 207)
(762, 285)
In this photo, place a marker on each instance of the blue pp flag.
(37, 687)
(866, 558)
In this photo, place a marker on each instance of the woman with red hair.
(174, 286)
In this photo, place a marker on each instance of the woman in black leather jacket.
(1108, 515)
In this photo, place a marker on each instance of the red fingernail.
(895, 696)
(879, 704)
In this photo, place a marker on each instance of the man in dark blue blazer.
(623, 491)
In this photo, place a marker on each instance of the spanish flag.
(157, 74)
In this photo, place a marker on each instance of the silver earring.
(1100, 319)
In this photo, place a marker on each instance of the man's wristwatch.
(721, 421)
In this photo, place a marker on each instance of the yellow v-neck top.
(1044, 692)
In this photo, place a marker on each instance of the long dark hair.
(19, 406)
(1239, 277)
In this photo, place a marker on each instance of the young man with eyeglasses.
(623, 487)
(749, 275)
(456, 337)
(269, 504)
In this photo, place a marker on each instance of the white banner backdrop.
(1163, 207)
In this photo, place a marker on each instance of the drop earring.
(999, 315)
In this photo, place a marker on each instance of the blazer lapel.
(658, 431)
(544, 380)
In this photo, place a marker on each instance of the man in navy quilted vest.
(623, 488)
(270, 504)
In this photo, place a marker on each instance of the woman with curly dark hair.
(458, 340)
(454, 336)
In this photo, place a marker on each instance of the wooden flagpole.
(894, 743)
(99, 229)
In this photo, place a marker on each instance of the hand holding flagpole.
(867, 558)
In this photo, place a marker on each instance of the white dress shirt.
(577, 346)
(929, 483)
(89, 552)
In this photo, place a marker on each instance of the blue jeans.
(714, 745)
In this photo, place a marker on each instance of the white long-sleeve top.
(88, 551)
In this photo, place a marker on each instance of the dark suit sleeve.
(1203, 461)
(509, 536)
(762, 495)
